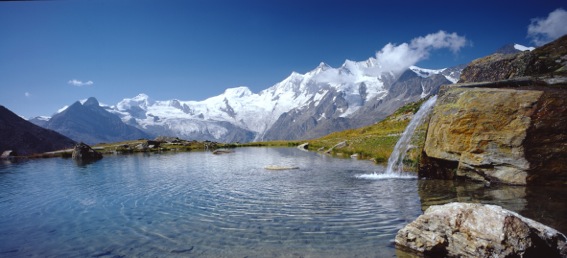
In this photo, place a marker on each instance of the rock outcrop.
(85, 153)
(512, 132)
(477, 230)
(502, 130)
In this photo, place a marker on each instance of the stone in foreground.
(478, 230)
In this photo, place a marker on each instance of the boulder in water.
(303, 146)
(478, 230)
(7, 154)
(84, 152)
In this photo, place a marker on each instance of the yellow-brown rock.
(483, 129)
(499, 133)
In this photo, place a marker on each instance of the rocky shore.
(505, 122)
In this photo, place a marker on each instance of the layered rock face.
(512, 132)
(504, 122)
(477, 230)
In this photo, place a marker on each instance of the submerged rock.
(276, 167)
(222, 151)
(478, 230)
(83, 152)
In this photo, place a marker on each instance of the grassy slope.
(374, 142)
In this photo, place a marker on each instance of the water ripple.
(202, 204)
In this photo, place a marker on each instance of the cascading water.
(395, 162)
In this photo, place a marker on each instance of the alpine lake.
(196, 204)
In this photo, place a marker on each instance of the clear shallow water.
(203, 205)
(200, 204)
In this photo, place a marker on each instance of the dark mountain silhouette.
(26, 138)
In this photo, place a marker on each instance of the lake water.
(198, 204)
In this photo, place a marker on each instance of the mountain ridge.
(26, 138)
(301, 106)
(90, 123)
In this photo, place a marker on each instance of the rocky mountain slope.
(90, 123)
(26, 138)
(549, 60)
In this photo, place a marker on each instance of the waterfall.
(395, 162)
(395, 167)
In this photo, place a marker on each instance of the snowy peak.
(141, 101)
(91, 102)
(513, 48)
(523, 48)
(452, 74)
(238, 92)
(424, 73)
(321, 67)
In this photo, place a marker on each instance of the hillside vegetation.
(374, 142)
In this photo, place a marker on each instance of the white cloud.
(80, 83)
(27, 94)
(397, 58)
(542, 31)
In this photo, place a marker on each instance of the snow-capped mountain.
(452, 74)
(40, 120)
(513, 48)
(87, 121)
(322, 100)
(301, 106)
(523, 48)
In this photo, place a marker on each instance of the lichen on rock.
(483, 130)
(477, 230)
(505, 122)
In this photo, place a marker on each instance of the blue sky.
(53, 53)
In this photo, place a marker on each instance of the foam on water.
(379, 176)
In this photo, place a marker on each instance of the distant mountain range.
(25, 138)
(302, 106)
(90, 123)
